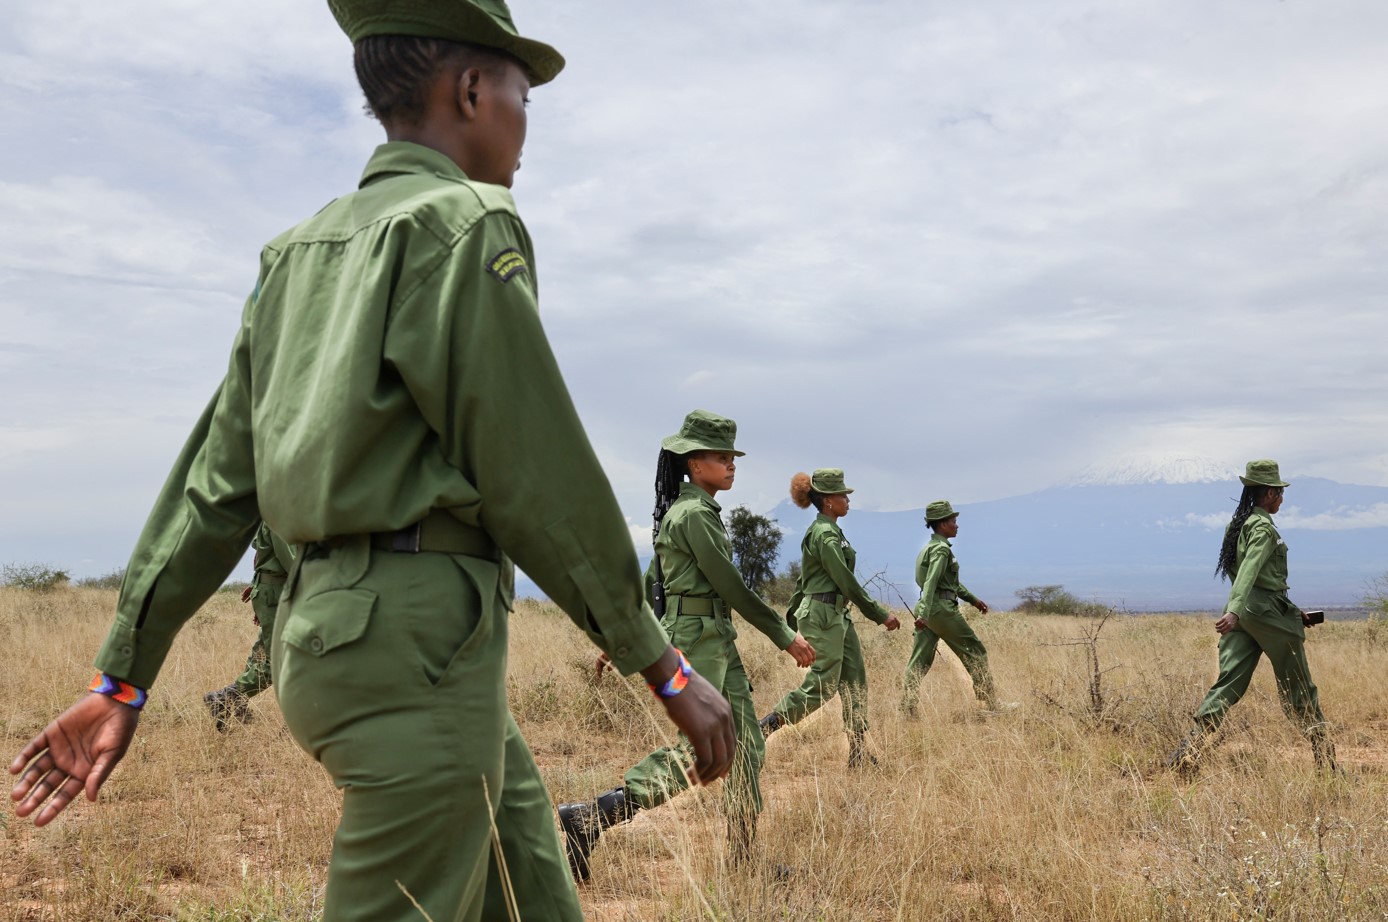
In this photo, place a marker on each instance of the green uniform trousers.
(708, 643)
(954, 629)
(838, 668)
(390, 670)
(265, 600)
(1270, 625)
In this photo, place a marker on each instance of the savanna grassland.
(1056, 811)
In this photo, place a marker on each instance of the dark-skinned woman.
(820, 606)
(700, 586)
(1258, 620)
(937, 614)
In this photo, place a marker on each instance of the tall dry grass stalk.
(1053, 812)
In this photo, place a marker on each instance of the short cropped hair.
(396, 71)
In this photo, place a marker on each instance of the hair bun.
(800, 490)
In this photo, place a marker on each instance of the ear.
(466, 89)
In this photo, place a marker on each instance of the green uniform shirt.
(271, 553)
(937, 572)
(1261, 559)
(826, 565)
(391, 361)
(696, 559)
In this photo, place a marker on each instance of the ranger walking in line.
(700, 587)
(937, 614)
(1258, 619)
(232, 704)
(819, 609)
(393, 408)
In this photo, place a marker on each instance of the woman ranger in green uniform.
(233, 704)
(393, 406)
(820, 610)
(937, 612)
(1259, 619)
(700, 586)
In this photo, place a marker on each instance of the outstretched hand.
(801, 651)
(892, 623)
(981, 605)
(77, 751)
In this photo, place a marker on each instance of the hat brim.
(843, 492)
(682, 446)
(1262, 483)
(461, 22)
(943, 518)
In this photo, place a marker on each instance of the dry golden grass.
(1049, 813)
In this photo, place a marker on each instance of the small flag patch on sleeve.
(507, 264)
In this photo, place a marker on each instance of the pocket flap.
(328, 620)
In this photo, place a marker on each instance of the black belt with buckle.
(438, 532)
(830, 597)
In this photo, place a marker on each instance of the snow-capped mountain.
(1155, 469)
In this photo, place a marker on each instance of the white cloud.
(959, 249)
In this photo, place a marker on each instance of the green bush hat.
(829, 481)
(478, 22)
(703, 431)
(1263, 473)
(938, 511)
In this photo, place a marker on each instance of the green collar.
(689, 489)
(936, 536)
(395, 157)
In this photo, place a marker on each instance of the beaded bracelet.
(123, 692)
(676, 683)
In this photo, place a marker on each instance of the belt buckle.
(406, 540)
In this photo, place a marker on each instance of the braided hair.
(1227, 565)
(670, 469)
(395, 71)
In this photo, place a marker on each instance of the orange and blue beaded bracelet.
(676, 683)
(123, 692)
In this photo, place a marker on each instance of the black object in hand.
(1314, 617)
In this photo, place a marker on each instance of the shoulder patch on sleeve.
(507, 264)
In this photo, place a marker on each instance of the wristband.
(676, 683)
(123, 692)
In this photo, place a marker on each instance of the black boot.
(1185, 760)
(584, 822)
(742, 832)
(228, 705)
(1323, 748)
(858, 756)
(771, 723)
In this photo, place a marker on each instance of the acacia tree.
(756, 544)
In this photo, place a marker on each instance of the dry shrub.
(1043, 814)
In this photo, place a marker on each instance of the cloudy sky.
(957, 249)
